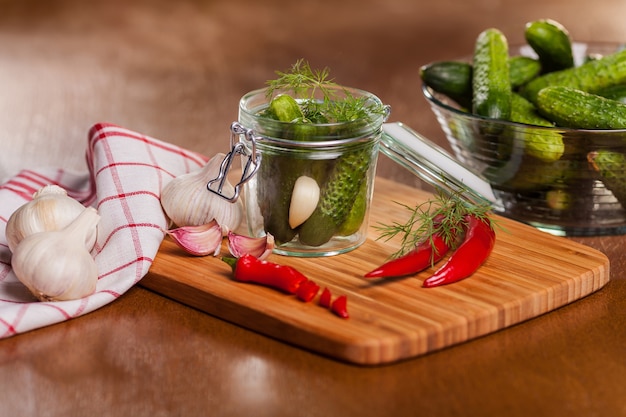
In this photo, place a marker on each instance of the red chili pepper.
(248, 268)
(325, 298)
(307, 291)
(340, 306)
(430, 251)
(424, 255)
(469, 256)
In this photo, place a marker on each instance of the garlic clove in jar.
(187, 201)
(304, 199)
(56, 265)
(50, 209)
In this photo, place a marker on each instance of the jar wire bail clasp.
(249, 167)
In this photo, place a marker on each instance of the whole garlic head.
(56, 265)
(187, 201)
(50, 209)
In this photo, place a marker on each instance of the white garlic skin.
(187, 201)
(50, 209)
(56, 265)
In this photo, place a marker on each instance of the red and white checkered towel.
(127, 170)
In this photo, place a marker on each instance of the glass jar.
(313, 188)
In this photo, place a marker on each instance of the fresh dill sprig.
(301, 78)
(320, 98)
(444, 214)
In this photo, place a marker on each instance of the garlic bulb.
(50, 209)
(56, 265)
(187, 201)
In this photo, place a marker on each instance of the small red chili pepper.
(247, 268)
(424, 255)
(307, 291)
(325, 297)
(340, 306)
(469, 256)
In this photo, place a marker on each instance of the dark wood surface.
(175, 70)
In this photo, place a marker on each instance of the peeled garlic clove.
(50, 209)
(56, 265)
(304, 199)
(200, 240)
(259, 247)
(187, 201)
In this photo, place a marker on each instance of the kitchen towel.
(125, 174)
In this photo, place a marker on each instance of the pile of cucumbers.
(547, 90)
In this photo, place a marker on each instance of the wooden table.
(175, 70)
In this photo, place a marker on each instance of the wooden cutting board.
(528, 274)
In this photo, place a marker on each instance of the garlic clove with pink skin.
(202, 240)
(260, 247)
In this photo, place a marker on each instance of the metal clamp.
(249, 168)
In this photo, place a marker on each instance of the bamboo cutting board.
(528, 274)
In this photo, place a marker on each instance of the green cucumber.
(590, 77)
(523, 111)
(274, 183)
(355, 218)
(338, 195)
(297, 125)
(451, 78)
(491, 82)
(572, 108)
(559, 199)
(614, 92)
(454, 78)
(522, 69)
(533, 175)
(278, 172)
(543, 144)
(610, 165)
(552, 43)
(286, 109)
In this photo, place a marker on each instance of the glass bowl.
(564, 196)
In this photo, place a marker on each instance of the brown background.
(175, 70)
